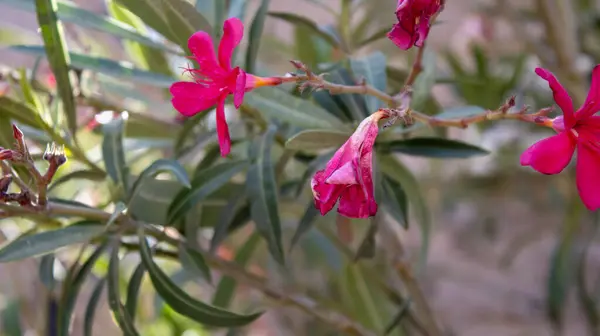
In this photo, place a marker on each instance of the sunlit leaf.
(176, 20)
(124, 70)
(262, 191)
(184, 304)
(69, 12)
(58, 56)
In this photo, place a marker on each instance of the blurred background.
(497, 227)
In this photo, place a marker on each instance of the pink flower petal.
(561, 96)
(551, 155)
(588, 178)
(233, 31)
(190, 98)
(201, 46)
(592, 102)
(422, 30)
(354, 204)
(402, 38)
(240, 89)
(325, 195)
(222, 128)
(343, 175)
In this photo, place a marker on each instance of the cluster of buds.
(55, 155)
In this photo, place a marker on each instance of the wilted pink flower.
(348, 175)
(215, 79)
(413, 22)
(581, 130)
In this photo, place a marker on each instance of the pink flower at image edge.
(414, 21)
(215, 79)
(576, 130)
(348, 176)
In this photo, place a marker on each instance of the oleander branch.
(286, 298)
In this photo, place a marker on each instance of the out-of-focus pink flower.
(413, 22)
(215, 79)
(348, 176)
(51, 81)
(576, 129)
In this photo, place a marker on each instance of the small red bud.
(6, 154)
(17, 133)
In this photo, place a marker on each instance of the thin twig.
(416, 68)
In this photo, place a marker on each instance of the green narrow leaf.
(395, 201)
(396, 171)
(237, 8)
(359, 297)
(90, 310)
(194, 262)
(58, 57)
(11, 319)
(204, 183)
(124, 321)
(424, 82)
(306, 223)
(299, 20)
(176, 20)
(124, 70)
(120, 208)
(144, 56)
(262, 190)
(46, 270)
(184, 304)
(256, 32)
(317, 139)
(434, 148)
(226, 219)
(278, 104)
(226, 288)
(159, 166)
(70, 12)
(71, 290)
(133, 290)
(372, 69)
(49, 241)
(86, 175)
(381, 33)
(112, 151)
(398, 318)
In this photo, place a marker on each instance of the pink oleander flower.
(348, 175)
(581, 130)
(413, 22)
(215, 79)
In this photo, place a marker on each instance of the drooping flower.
(413, 22)
(348, 175)
(215, 79)
(576, 130)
